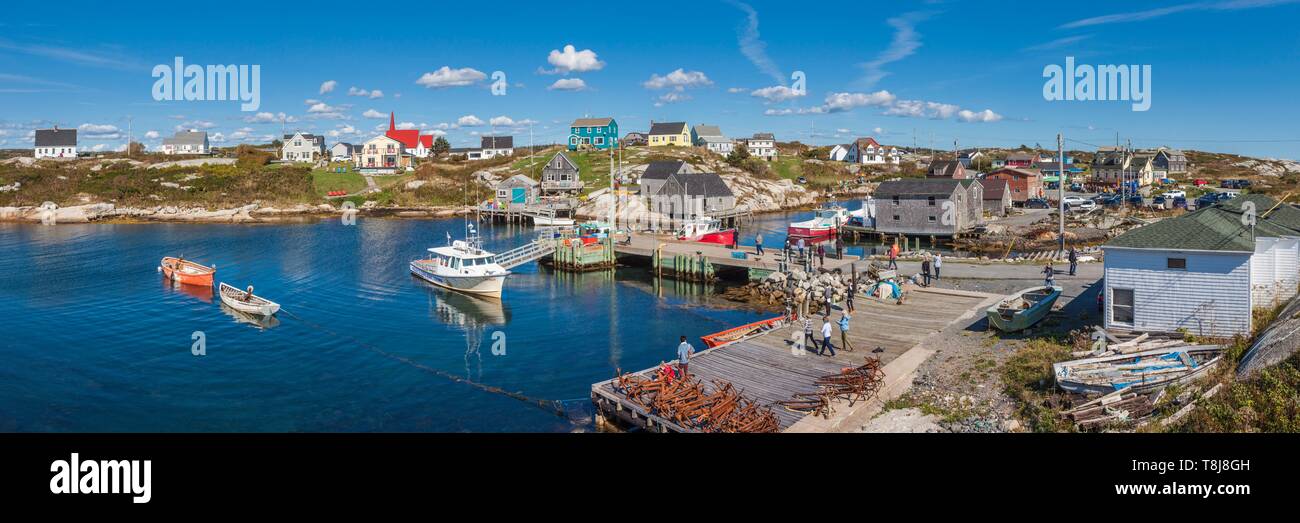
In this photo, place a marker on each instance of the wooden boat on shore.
(1023, 309)
(1139, 372)
(187, 272)
(247, 302)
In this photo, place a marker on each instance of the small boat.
(1023, 309)
(552, 221)
(462, 266)
(1139, 372)
(706, 230)
(247, 302)
(824, 225)
(187, 272)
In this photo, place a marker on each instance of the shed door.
(518, 195)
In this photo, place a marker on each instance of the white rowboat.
(247, 303)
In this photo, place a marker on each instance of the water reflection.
(203, 293)
(473, 315)
(261, 322)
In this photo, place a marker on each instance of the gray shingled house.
(658, 172)
(560, 176)
(696, 192)
(930, 206)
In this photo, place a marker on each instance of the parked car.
(1180, 203)
(803, 180)
(1074, 200)
(1081, 206)
(1112, 201)
(1175, 194)
(1235, 184)
(1159, 201)
(1037, 203)
(1136, 200)
(1076, 187)
(1200, 182)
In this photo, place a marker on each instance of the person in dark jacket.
(925, 270)
(1074, 260)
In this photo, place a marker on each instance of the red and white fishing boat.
(824, 225)
(706, 230)
(187, 272)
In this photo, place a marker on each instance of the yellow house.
(670, 133)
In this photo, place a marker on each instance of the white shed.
(1274, 273)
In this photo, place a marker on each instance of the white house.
(839, 153)
(762, 145)
(868, 151)
(1203, 272)
(187, 142)
(302, 147)
(494, 146)
(341, 152)
(718, 144)
(55, 143)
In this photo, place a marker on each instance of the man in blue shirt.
(684, 353)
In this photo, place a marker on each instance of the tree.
(135, 148)
(738, 155)
(441, 146)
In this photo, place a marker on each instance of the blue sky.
(1224, 72)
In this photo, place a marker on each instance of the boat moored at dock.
(824, 225)
(706, 230)
(462, 266)
(246, 302)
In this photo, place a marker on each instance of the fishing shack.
(929, 206)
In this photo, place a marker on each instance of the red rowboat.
(187, 272)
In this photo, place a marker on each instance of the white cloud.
(217, 138)
(373, 114)
(328, 86)
(906, 41)
(265, 117)
(981, 116)
(736, 90)
(99, 131)
(922, 109)
(753, 46)
(469, 120)
(321, 107)
(571, 60)
(840, 102)
(407, 125)
(671, 97)
(777, 93)
(448, 77)
(196, 124)
(506, 121)
(371, 94)
(679, 79)
(151, 135)
(568, 84)
(878, 130)
(1139, 16)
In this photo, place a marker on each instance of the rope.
(549, 406)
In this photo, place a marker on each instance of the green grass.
(326, 180)
(1028, 378)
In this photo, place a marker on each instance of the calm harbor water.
(93, 339)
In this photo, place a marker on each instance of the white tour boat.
(462, 266)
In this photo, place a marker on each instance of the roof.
(1019, 156)
(707, 185)
(187, 138)
(562, 158)
(498, 142)
(662, 170)
(409, 137)
(1053, 166)
(863, 142)
(1208, 229)
(763, 136)
(707, 131)
(715, 139)
(668, 128)
(1284, 216)
(917, 188)
(1110, 158)
(56, 137)
(518, 178)
(947, 168)
(345, 144)
(1013, 172)
(591, 122)
(994, 189)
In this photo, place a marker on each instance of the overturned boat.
(1139, 372)
(1023, 309)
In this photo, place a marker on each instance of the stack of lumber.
(1130, 343)
(1117, 406)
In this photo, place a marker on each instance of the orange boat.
(187, 272)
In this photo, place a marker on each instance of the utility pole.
(128, 136)
(1060, 185)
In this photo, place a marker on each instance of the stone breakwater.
(251, 213)
(796, 287)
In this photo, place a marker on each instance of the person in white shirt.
(826, 337)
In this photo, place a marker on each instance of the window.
(1176, 263)
(932, 218)
(895, 202)
(1121, 303)
(931, 201)
(600, 140)
(895, 217)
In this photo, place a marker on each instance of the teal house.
(593, 133)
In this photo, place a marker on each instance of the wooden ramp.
(645, 245)
(766, 368)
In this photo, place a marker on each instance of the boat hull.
(476, 285)
(186, 272)
(260, 307)
(813, 233)
(1065, 375)
(1023, 319)
(727, 237)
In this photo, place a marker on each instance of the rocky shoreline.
(251, 213)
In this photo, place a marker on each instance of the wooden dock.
(645, 245)
(766, 369)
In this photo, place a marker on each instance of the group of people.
(931, 264)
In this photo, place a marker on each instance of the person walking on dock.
(807, 331)
(828, 296)
(684, 353)
(758, 243)
(848, 298)
(893, 257)
(821, 255)
(844, 333)
(938, 264)
(826, 337)
(1048, 275)
(801, 246)
(925, 270)
(1074, 260)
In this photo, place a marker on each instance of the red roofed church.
(417, 144)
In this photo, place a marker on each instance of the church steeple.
(392, 122)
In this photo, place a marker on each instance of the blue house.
(593, 133)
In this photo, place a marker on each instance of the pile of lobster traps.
(687, 403)
(852, 385)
